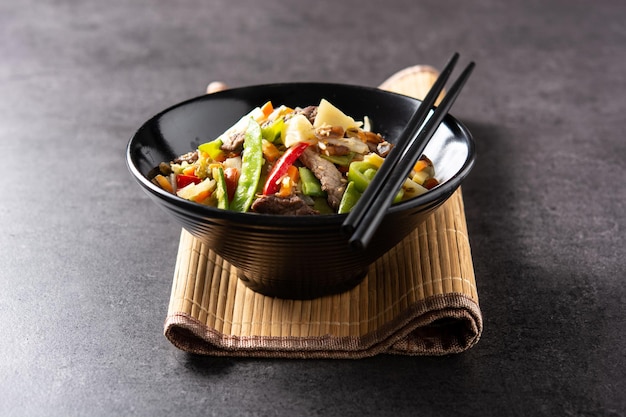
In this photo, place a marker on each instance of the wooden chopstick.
(365, 217)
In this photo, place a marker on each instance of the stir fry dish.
(288, 161)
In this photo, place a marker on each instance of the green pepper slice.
(362, 173)
(272, 130)
(311, 186)
(213, 149)
(349, 198)
(341, 160)
(356, 174)
(251, 163)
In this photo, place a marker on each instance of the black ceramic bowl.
(296, 257)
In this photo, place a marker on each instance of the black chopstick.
(415, 122)
(367, 214)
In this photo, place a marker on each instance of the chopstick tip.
(346, 229)
(357, 244)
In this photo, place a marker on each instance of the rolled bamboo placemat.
(420, 298)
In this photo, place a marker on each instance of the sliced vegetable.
(271, 131)
(424, 173)
(288, 182)
(356, 174)
(231, 176)
(341, 160)
(361, 174)
(251, 163)
(270, 151)
(328, 114)
(350, 198)
(342, 154)
(183, 180)
(213, 149)
(420, 165)
(221, 190)
(374, 159)
(420, 177)
(164, 183)
(272, 184)
(399, 196)
(267, 108)
(412, 189)
(321, 204)
(189, 170)
(311, 186)
(353, 144)
(297, 129)
(197, 192)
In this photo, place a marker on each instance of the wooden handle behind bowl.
(215, 86)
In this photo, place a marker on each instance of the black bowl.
(296, 257)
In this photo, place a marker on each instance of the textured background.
(86, 261)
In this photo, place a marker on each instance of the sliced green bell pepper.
(349, 198)
(251, 164)
(272, 131)
(356, 174)
(213, 149)
(341, 160)
(311, 186)
(362, 173)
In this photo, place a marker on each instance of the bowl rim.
(443, 190)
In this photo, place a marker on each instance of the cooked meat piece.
(189, 157)
(233, 142)
(331, 179)
(333, 150)
(291, 206)
(365, 136)
(309, 112)
(372, 137)
(384, 148)
(381, 149)
(325, 131)
(165, 169)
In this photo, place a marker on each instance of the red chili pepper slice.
(272, 184)
(183, 180)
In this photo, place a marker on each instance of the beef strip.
(331, 179)
(309, 112)
(233, 142)
(333, 150)
(325, 131)
(272, 204)
(384, 148)
(375, 142)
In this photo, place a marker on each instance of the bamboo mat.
(418, 299)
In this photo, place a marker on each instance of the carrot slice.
(267, 108)
(164, 183)
(288, 181)
(270, 151)
(420, 165)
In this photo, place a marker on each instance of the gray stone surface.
(87, 261)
